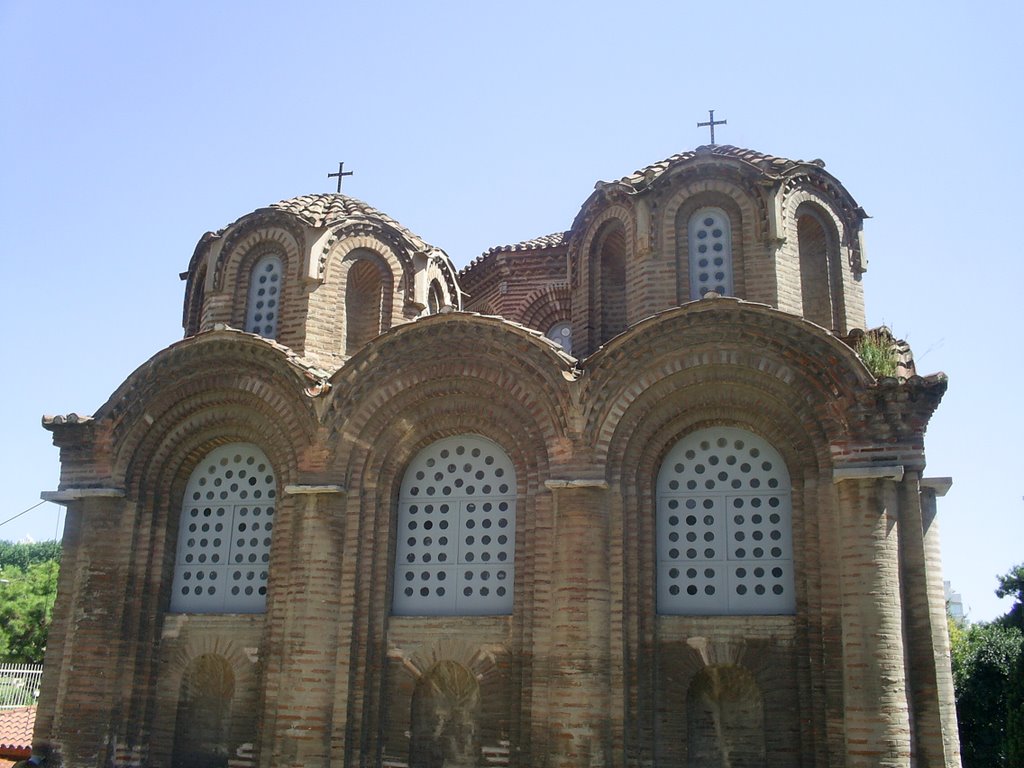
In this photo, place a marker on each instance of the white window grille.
(710, 243)
(263, 306)
(724, 527)
(227, 520)
(561, 334)
(456, 530)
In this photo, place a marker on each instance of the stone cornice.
(310, 490)
(940, 485)
(560, 484)
(69, 495)
(868, 472)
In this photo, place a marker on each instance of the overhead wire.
(38, 504)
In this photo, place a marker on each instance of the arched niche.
(368, 291)
(725, 720)
(820, 270)
(609, 288)
(445, 727)
(435, 297)
(203, 723)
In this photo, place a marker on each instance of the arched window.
(227, 517)
(724, 526)
(262, 309)
(456, 530)
(561, 334)
(709, 235)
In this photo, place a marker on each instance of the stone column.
(578, 654)
(876, 715)
(80, 699)
(947, 725)
(306, 670)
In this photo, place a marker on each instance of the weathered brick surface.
(584, 671)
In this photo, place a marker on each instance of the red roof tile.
(16, 728)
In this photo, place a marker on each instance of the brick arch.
(234, 655)
(172, 672)
(832, 196)
(833, 273)
(248, 376)
(233, 270)
(587, 297)
(521, 366)
(688, 661)
(440, 271)
(195, 293)
(329, 302)
(792, 355)
(340, 250)
(480, 661)
(743, 211)
(367, 282)
(374, 444)
(487, 666)
(547, 306)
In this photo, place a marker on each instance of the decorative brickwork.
(380, 397)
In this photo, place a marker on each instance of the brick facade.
(584, 671)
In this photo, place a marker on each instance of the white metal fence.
(19, 684)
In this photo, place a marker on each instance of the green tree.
(988, 675)
(26, 608)
(1012, 585)
(28, 587)
(985, 662)
(24, 555)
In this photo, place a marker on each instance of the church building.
(622, 495)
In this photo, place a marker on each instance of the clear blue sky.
(129, 129)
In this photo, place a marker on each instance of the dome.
(321, 273)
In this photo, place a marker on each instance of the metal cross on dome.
(711, 123)
(342, 173)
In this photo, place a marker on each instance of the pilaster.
(81, 697)
(306, 669)
(579, 696)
